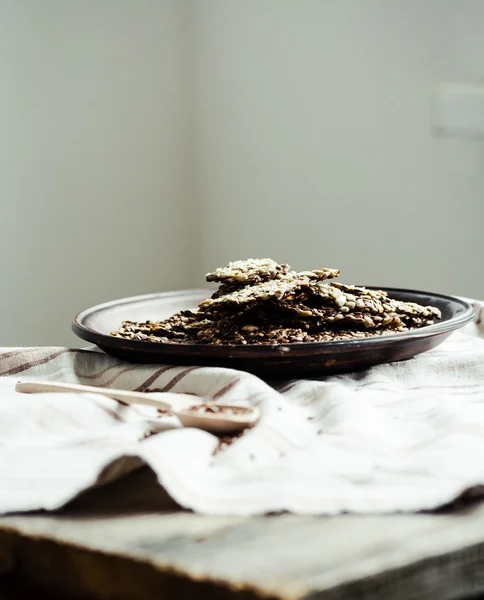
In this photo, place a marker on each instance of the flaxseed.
(260, 301)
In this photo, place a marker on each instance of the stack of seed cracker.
(263, 302)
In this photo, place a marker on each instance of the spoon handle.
(32, 387)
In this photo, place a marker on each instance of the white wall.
(144, 142)
(92, 159)
(315, 139)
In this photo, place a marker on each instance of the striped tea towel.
(397, 437)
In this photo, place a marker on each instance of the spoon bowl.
(224, 418)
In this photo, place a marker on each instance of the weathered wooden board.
(129, 541)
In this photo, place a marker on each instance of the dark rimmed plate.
(275, 361)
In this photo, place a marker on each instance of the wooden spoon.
(192, 411)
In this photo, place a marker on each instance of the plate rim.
(91, 335)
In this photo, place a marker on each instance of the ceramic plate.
(274, 361)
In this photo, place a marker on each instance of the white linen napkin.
(405, 436)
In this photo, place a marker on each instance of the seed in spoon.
(216, 409)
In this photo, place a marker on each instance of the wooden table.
(128, 540)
